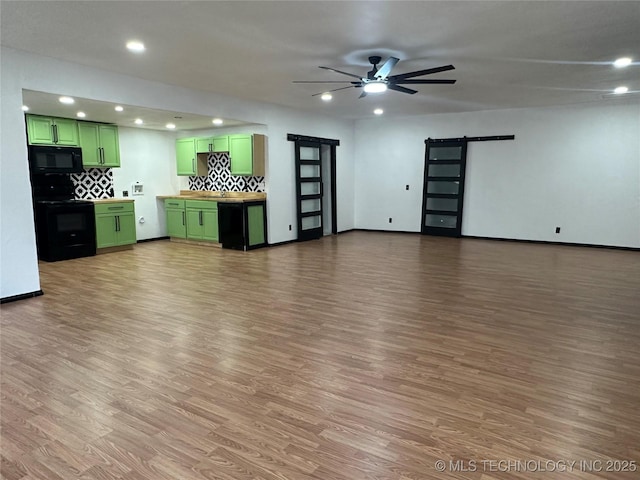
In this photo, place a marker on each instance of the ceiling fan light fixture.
(375, 87)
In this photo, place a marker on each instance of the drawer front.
(201, 204)
(173, 203)
(115, 208)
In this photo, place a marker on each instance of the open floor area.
(366, 355)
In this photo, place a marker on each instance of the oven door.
(65, 231)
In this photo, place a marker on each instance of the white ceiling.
(506, 54)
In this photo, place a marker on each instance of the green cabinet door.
(186, 156)
(110, 145)
(220, 144)
(90, 144)
(176, 222)
(40, 130)
(106, 232)
(126, 229)
(203, 144)
(241, 154)
(66, 131)
(195, 226)
(210, 221)
(255, 220)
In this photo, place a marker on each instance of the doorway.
(443, 195)
(315, 164)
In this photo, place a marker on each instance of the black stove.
(65, 226)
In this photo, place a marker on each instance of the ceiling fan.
(378, 79)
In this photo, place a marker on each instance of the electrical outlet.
(125, 193)
(406, 187)
(390, 219)
(289, 227)
(557, 229)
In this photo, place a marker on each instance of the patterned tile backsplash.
(98, 182)
(220, 177)
(93, 183)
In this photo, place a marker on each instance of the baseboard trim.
(22, 296)
(547, 242)
(286, 242)
(152, 239)
(383, 231)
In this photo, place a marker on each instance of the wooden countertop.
(229, 197)
(111, 200)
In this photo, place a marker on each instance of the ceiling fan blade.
(321, 81)
(424, 82)
(343, 73)
(334, 90)
(418, 73)
(398, 88)
(384, 71)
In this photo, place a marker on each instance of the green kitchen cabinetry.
(247, 154)
(202, 220)
(189, 161)
(212, 144)
(52, 131)
(115, 224)
(100, 144)
(176, 218)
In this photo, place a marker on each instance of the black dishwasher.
(231, 227)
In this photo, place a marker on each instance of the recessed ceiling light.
(138, 121)
(217, 121)
(81, 114)
(622, 62)
(136, 46)
(326, 97)
(118, 108)
(375, 87)
(25, 108)
(66, 100)
(620, 90)
(170, 126)
(378, 111)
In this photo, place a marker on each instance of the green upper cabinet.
(52, 131)
(220, 144)
(187, 159)
(247, 154)
(212, 144)
(204, 144)
(99, 143)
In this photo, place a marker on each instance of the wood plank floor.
(362, 356)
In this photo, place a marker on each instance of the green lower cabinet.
(176, 223)
(115, 224)
(255, 222)
(202, 220)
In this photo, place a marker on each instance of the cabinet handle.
(102, 155)
(55, 133)
(183, 219)
(211, 147)
(115, 219)
(193, 165)
(200, 216)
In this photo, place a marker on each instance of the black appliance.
(231, 227)
(51, 159)
(65, 228)
(236, 231)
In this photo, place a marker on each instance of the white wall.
(148, 157)
(577, 167)
(22, 70)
